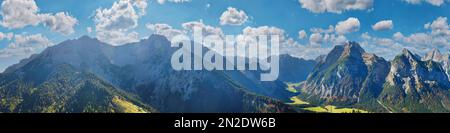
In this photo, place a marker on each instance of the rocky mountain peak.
(409, 55)
(85, 37)
(352, 49)
(422, 83)
(434, 55)
(348, 75)
(437, 56)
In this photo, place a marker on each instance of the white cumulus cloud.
(328, 36)
(60, 22)
(233, 16)
(164, 29)
(439, 26)
(17, 14)
(335, 6)
(172, 1)
(350, 25)
(436, 36)
(206, 29)
(25, 45)
(383, 25)
(7, 36)
(287, 44)
(89, 29)
(432, 2)
(302, 34)
(113, 24)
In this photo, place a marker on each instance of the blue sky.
(408, 29)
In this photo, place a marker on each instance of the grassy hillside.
(64, 89)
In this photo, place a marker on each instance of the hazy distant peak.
(434, 55)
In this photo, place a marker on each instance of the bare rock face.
(413, 85)
(347, 75)
(443, 59)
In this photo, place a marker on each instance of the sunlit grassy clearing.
(334, 109)
(297, 101)
(317, 109)
(291, 87)
(127, 107)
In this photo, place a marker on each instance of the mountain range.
(140, 70)
(87, 75)
(348, 76)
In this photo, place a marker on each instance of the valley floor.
(304, 105)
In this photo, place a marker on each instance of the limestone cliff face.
(443, 59)
(413, 85)
(347, 75)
